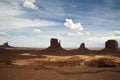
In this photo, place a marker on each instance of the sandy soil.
(31, 74)
(27, 66)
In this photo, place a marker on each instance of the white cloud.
(117, 33)
(30, 4)
(37, 30)
(10, 17)
(12, 9)
(87, 33)
(3, 33)
(75, 27)
(13, 22)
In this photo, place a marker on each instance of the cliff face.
(82, 46)
(55, 47)
(83, 49)
(111, 46)
(54, 43)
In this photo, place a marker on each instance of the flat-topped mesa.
(111, 45)
(54, 48)
(54, 43)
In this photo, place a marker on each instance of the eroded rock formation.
(54, 43)
(82, 48)
(55, 47)
(5, 45)
(111, 45)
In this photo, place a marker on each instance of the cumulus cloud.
(37, 30)
(117, 33)
(76, 29)
(30, 4)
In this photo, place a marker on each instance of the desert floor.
(28, 66)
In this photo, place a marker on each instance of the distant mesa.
(83, 48)
(54, 43)
(54, 48)
(5, 45)
(111, 45)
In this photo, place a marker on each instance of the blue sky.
(31, 23)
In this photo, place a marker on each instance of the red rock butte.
(55, 48)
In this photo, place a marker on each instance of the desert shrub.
(100, 62)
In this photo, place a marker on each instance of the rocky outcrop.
(55, 47)
(111, 45)
(54, 43)
(5, 45)
(82, 48)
